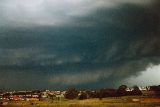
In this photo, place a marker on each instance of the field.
(106, 102)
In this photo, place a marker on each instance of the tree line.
(72, 93)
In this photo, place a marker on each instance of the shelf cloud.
(82, 43)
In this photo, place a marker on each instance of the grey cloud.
(79, 78)
(98, 49)
(51, 12)
(12, 80)
(18, 56)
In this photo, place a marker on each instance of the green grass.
(107, 102)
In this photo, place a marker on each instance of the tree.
(39, 96)
(71, 93)
(136, 91)
(122, 90)
(82, 95)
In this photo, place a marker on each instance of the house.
(59, 96)
(16, 98)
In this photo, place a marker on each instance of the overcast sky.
(82, 43)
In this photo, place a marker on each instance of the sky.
(87, 44)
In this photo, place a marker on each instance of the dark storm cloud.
(103, 47)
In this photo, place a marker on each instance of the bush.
(71, 93)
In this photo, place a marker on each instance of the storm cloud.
(51, 12)
(90, 44)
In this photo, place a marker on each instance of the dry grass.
(107, 102)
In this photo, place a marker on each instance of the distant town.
(73, 93)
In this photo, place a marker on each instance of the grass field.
(106, 102)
